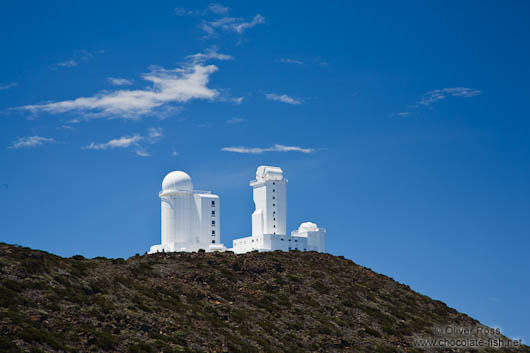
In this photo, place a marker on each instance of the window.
(304, 249)
(273, 183)
(289, 239)
(296, 240)
(213, 232)
(274, 219)
(213, 203)
(213, 213)
(273, 212)
(274, 197)
(273, 204)
(274, 225)
(289, 248)
(213, 241)
(273, 190)
(213, 222)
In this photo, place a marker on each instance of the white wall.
(204, 204)
(270, 200)
(187, 222)
(271, 242)
(177, 217)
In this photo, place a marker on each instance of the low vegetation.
(218, 302)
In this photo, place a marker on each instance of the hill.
(189, 302)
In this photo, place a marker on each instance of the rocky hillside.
(216, 302)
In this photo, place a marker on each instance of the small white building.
(190, 218)
(269, 220)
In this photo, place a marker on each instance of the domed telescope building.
(190, 218)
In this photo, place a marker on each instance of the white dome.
(308, 227)
(177, 181)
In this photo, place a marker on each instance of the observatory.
(190, 218)
(269, 220)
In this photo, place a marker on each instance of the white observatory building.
(269, 220)
(190, 218)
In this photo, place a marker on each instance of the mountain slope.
(178, 302)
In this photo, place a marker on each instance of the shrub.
(8, 346)
(372, 332)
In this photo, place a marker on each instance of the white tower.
(270, 199)
(269, 220)
(190, 218)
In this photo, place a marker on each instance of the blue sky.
(403, 129)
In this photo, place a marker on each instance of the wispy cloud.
(154, 134)
(66, 63)
(238, 100)
(142, 153)
(275, 148)
(282, 98)
(122, 142)
(78, 57)
(4, 86)
(291, 61)
(169, 88)
(116, 81)
(218, 9)
(231, 24)
(401, 114)
(209, 53)
(235, 120)
(434, 96)
(30, 141)
(180, 11)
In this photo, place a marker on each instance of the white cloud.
(79, 57)
(214, 8)
(116, 81)
(434, 96)
(231, 24)
(142, 153)
(218, 9)
(169, 87)
(122, 142)
(235, 120)
(66, 63)
(210, 53)
(243, 26)
(238, 100)
(275, 148)
(30, 141)
(180, 11)
(154, 134)
(282, 98)
(291, 61)
(4, 86)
